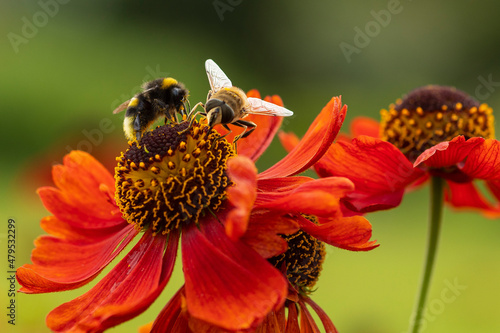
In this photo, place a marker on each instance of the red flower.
(192, 187)
(434, 131)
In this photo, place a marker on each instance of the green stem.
(435, 217)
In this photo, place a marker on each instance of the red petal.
(84, 193)
(466, 195)
(448, 153)
(224, 277)
(350, 233)
(63, 265)
(170, 314)
(243, 173)
(484, 161)
(327, 323)
(281, 184)
(313, 145)
(379, 171)
(263, 232)
(65, 231)
(87, 214)
(127, 290)
(365, 126)
(318, 197)
(270, 324)
(292, 325)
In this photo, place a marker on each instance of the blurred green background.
(64, 67)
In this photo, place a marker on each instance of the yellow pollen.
(196, 131)
(142, 165)
(439, 116)
(170, 152)
(458, 106)
(483, 107)
(405, 112)
(157, 158)
(454, 117)
(182, 146)
(186, 158)
(155, 170)
(420, 112)
(444, 107)
(171, 165)
(428, 125)
(196, 152)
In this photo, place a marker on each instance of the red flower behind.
(383, 164)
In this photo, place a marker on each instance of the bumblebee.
(227, 104)
(160, 97)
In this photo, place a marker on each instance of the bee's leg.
(193, 109)
(246, 132)
(226, 127)
(191, 121)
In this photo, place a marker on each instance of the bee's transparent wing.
(216, 76)
(121, 107)
(258, 106)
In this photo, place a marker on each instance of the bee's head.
(218, 112)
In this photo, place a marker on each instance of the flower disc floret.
(172, 177)
(433, 114)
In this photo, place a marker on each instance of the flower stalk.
(435, 218)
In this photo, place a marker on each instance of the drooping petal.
(327, 322)
(243, 173)
(379, 171)
(307, 323)
(63, 265)
(319, 197)
(365, 126)
(466, 195)
(123, 293)
(170, 314)
(350, 233)
(223, 278)
(270, 324)
(292, 324)
(313, 145)
(484, 161)
(448, 153)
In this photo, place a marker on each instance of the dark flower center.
(433, 114)
(170, 179)
(303, 259)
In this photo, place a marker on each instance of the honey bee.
(160, 97)
(227, 104)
